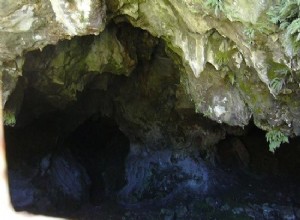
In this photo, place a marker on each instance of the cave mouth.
(134, 145)
(85, 166)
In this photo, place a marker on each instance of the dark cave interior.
(103, 155)
(98, 149)
(97, 146)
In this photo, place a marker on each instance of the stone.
(227, 67)
(288, 213)
(168, 214)
(68, 178)
(155, 179)
(267, 211)
(237, 210)
(181, 212)
(225, 207)
(173, 75)
(22, 191)
(298, 213)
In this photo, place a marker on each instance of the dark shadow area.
(101, 148)
(263, 177)
(250, 153)
(55, 172)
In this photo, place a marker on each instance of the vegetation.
(276, 85)
(222, 57)
(251, 31)
(216, 5)
(275, 139)
(9, 118)
(250, 34)
(231, 77)
(278, 74)
(208, 113)
(223, 53)
(286, 15)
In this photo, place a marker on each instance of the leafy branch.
(275, 139)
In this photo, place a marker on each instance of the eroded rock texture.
(235, 63)
(130, 102)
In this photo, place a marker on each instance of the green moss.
(222, 57)
(9, 118)
(277, 70)
(255, 93)
(59, 60)
(231, 77)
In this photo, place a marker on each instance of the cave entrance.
(67, 148)
(101, 148)
(60, 167)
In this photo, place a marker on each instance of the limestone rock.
(235, 61)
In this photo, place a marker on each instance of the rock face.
(58, 183)
(160, 177)
(235, 63)
(172, 79)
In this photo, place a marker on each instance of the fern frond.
(294, 27)
(276, 85)
(287, 15)
(275, 139)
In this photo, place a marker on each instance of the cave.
(103, 156)
(96, 149)
(106, 127)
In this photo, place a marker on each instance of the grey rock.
(297, 213)
(181, 212)
(237, 210)
(69, 181)
(225, 207)
(22, 190)
(155, 176)
(287, 213)
(168, 214)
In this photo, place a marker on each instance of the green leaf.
(275, 139)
